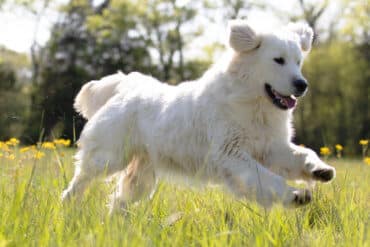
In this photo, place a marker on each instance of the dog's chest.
(259, 131)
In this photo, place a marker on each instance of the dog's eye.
(279, 60)
(299, 62)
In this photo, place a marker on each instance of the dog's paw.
(301, 197)
(317, 170)
(323, 174)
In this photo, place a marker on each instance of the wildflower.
(10, 157)
(38, 155)
(325, 151)
(24, 149)
(364, 142)
(1, 155)
(12, 142)
(367, 160)
(339, 147)
(4, 147)
(48, 145)
(63, 142)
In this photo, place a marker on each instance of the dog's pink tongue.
(290, 102)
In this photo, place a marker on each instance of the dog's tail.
(94, 94)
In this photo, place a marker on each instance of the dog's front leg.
(296, 162)
(245, 177)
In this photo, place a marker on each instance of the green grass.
(31, 213)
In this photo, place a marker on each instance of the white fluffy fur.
(242, 37)
(221, 127)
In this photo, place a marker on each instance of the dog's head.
(269, 64)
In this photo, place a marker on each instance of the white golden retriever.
(233, 125)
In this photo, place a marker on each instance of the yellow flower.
(64, 142)
(364, 142)
(4, 147)
(48, 145)
(38, 155)
(12, 142)
(10, 157)
(24, 149)
(339, 147)
(367, 160)
(325, 151)
(1, 155)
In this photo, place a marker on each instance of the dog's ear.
(242, 37)
(305, 34)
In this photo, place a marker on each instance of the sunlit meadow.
(31, 214)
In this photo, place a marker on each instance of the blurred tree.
(336, 109)
(7, 76)
(239, 9)
(92, 41)
(311, 13)
(356, 17)
(356, 29)
(13, 99)
(162, 23)
(338, 76)
(232, 9)
(74, 55)
(37, 8)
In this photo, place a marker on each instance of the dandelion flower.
(1, 155)
(4, 147)
(63, 142)
(339, 147)
(325, 151)
(12, 142)
(24, 149)
(367, 160)
(10, 157)
(48, 145)
(38, 155)
(364, 142)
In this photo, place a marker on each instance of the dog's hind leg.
(88, 167)
(136, 182)
(77, 185)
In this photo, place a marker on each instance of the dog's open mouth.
(281, 101)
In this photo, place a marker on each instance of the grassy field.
(31, 213)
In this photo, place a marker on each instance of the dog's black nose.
(300, 85)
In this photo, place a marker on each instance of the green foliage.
(13, 98)
(74, 55)
(32, 214)
(93, 41)
(357, 20)
(335, 110)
